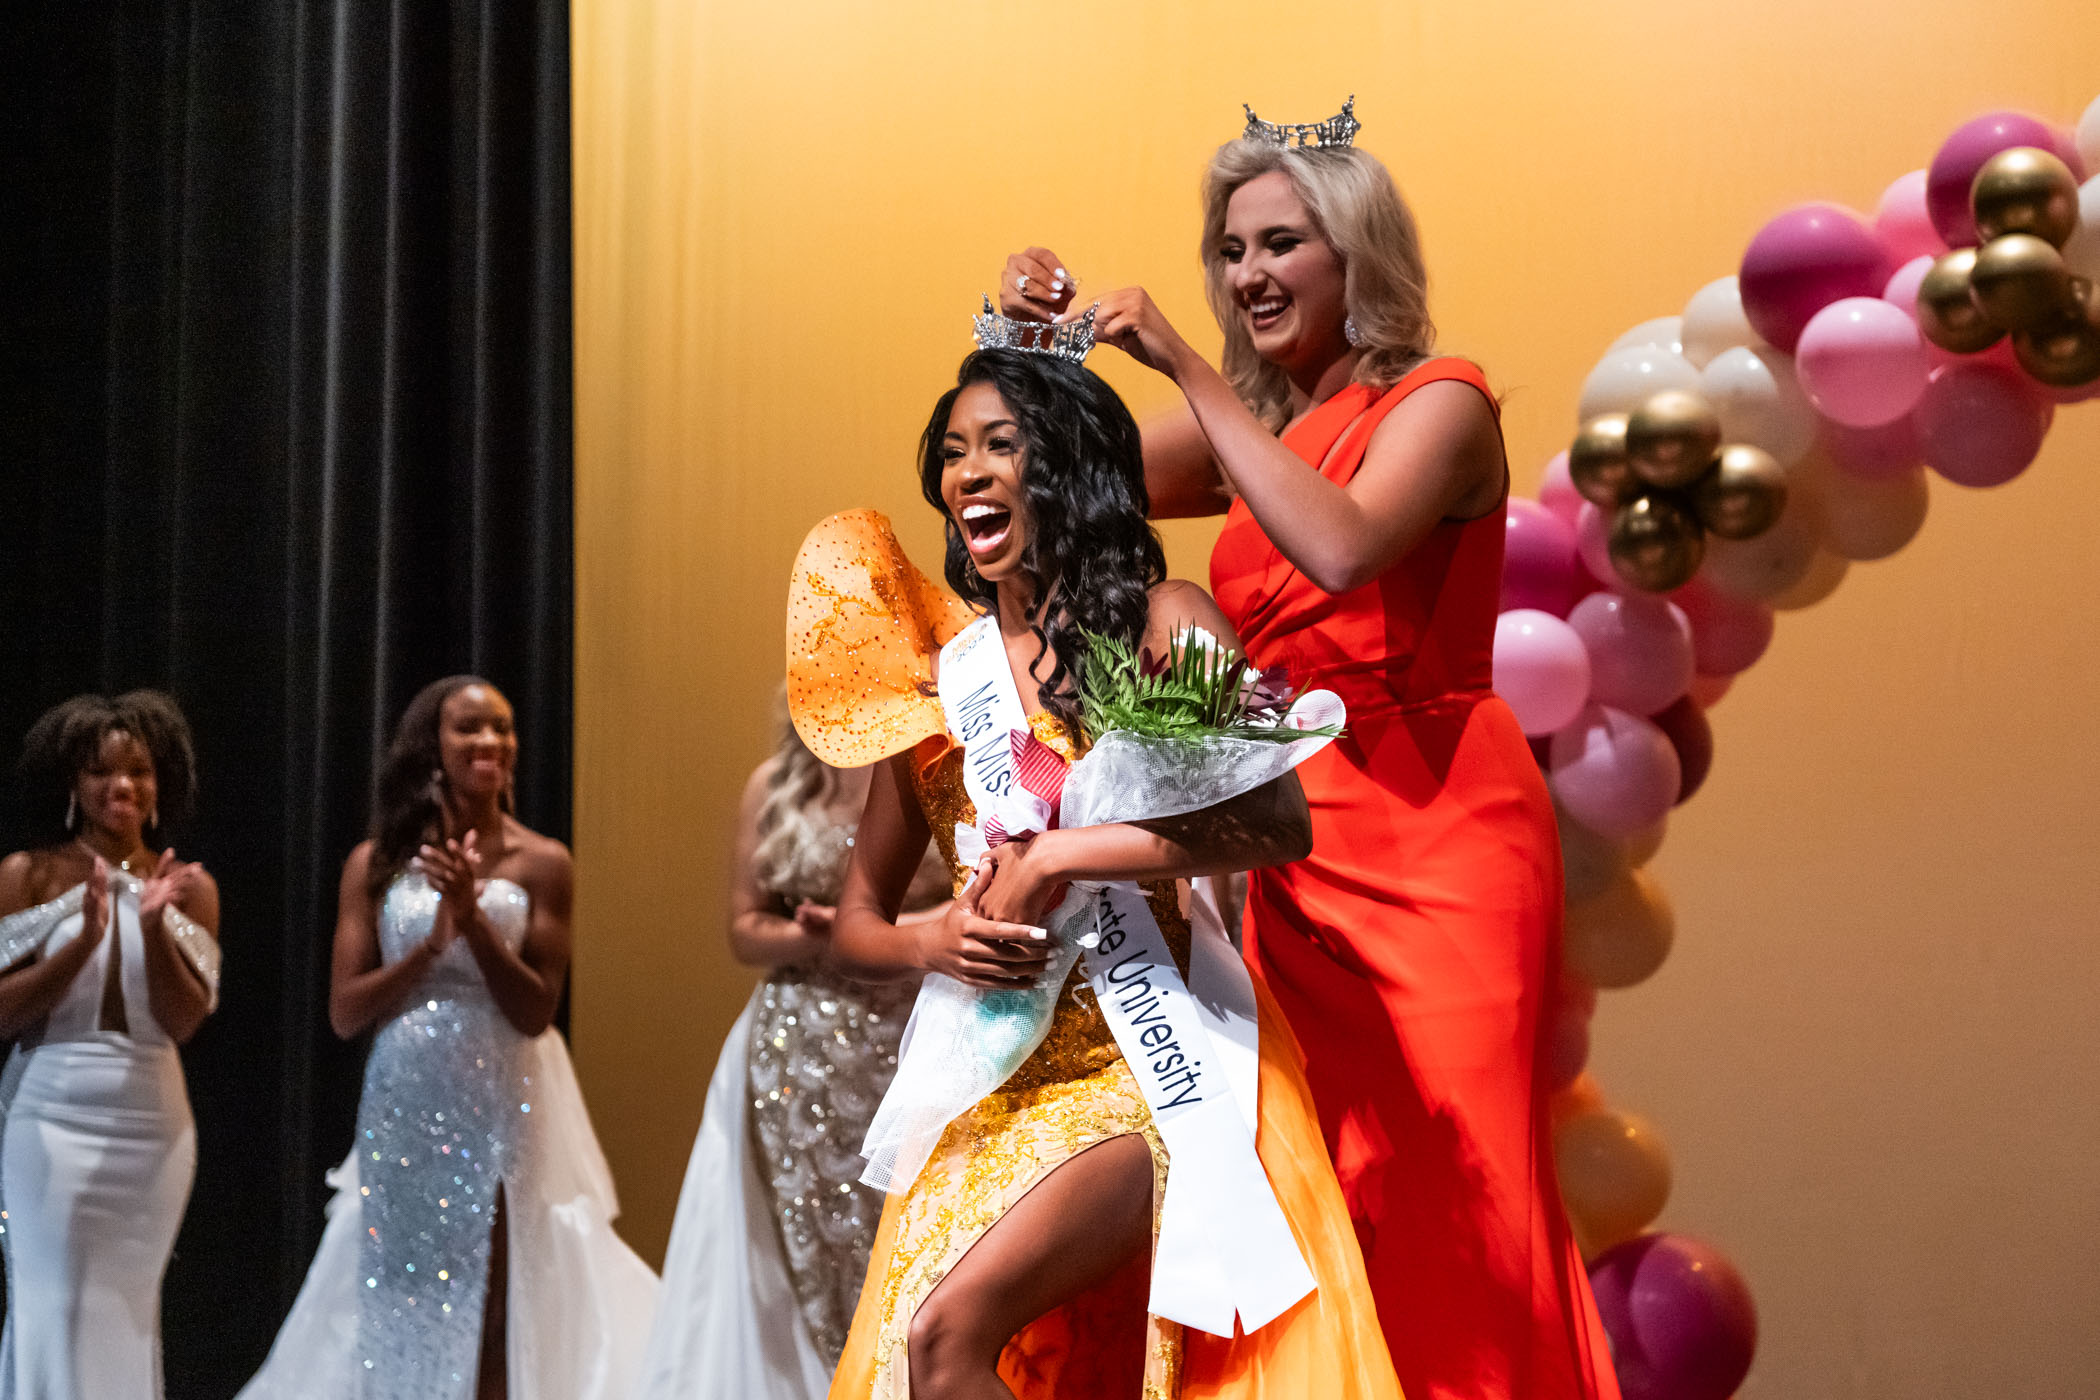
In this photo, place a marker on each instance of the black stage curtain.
(284, 429)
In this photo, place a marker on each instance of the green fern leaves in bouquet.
(1198, 690)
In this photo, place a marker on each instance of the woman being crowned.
(1106, 1176)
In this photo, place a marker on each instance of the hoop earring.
(1350, 333)
(72, 811)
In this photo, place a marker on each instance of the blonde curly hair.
(1358, 209)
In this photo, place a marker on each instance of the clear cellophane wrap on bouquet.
(963, 1042)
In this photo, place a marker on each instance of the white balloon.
(2082, 250)
(1624, 379)
(1762, 568)
(1754, 391)
(1664, 333)
(1872, 517)
(2089, 138)
(1714, 321)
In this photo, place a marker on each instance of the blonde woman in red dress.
(1363, 481)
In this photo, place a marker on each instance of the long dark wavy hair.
(1090, 550)
(408, 794)
(65, 738)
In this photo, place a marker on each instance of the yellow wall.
(1872, 1051)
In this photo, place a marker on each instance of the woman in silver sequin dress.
(108, 962)
(774, 1227)
(469, 1250)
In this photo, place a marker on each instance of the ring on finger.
(1021, 283)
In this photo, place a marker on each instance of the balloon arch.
(1731, 462)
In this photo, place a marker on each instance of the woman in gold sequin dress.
(1016, 1263)
(774, 1226)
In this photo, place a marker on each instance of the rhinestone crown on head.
(1068, 341)
(1338, 130)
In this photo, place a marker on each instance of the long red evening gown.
(1414, 950)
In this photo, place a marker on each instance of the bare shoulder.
(1178, 603)
(357, 866)
(545, 863)
(17, 882)
(200, 897)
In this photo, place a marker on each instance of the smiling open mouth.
(1266, 312)
(985, 526)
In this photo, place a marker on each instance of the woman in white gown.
(469, 1248)
(111, 962)
(774, 1226)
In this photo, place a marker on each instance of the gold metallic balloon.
(2065, 352)
(2025, 190)
(1947, 313)
(1655, 544)
(1597, 462)
(2020, 282)
(1672, 437)
(1614, 1176)
(1743, 494)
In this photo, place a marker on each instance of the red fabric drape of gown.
(1414, 950)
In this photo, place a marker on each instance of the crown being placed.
(1338, 130)
(1067, 341)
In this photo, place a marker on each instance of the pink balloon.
(1539, 568)
(1954, 169)
(1861, 362)
(1889, 450)
(1593, 544)
(1541, 669)
(1557, 491)
(1903, 223)
(1640, 650)
(1681, 1320)
(1729, 634)
(1980, 425)
(1804, 260)
(1708, 690)
(1902, 289)
(1616, 773)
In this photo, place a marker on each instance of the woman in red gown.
(1414, 951)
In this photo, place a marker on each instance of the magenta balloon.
(1640, 650)
(1542, 669)
(1889, 450)
(1861, 361)
(1903, 223)
(1682, 1323)
(1954, 169)
(1729, 634)
(1539, 568)
(1615, 773)
(1684, 725)
(1557, 491)
(1804, 260)
(1980, 425)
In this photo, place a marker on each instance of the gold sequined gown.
(863, 625)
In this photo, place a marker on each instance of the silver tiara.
(1067, 341)
(1338, 130)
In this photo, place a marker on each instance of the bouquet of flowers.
(1198, 690)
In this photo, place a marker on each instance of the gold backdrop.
(1872, 1050)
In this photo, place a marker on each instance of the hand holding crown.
(1129, 319)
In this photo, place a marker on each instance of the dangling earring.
(72, 811)
(153, 818)
(1350, 333)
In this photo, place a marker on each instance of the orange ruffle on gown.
(1415, 949)
(863, 626)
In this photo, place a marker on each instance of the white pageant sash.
(1225, 1249)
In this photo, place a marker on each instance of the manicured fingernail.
(1038, 932)
(1062, 274)
(1056, 287)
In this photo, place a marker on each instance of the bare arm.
(177, 995)
(1181, 475)
(759, 935)
(1437, 455)
(526, 984)
(28, 993)
(869, 940)
(361, 991)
